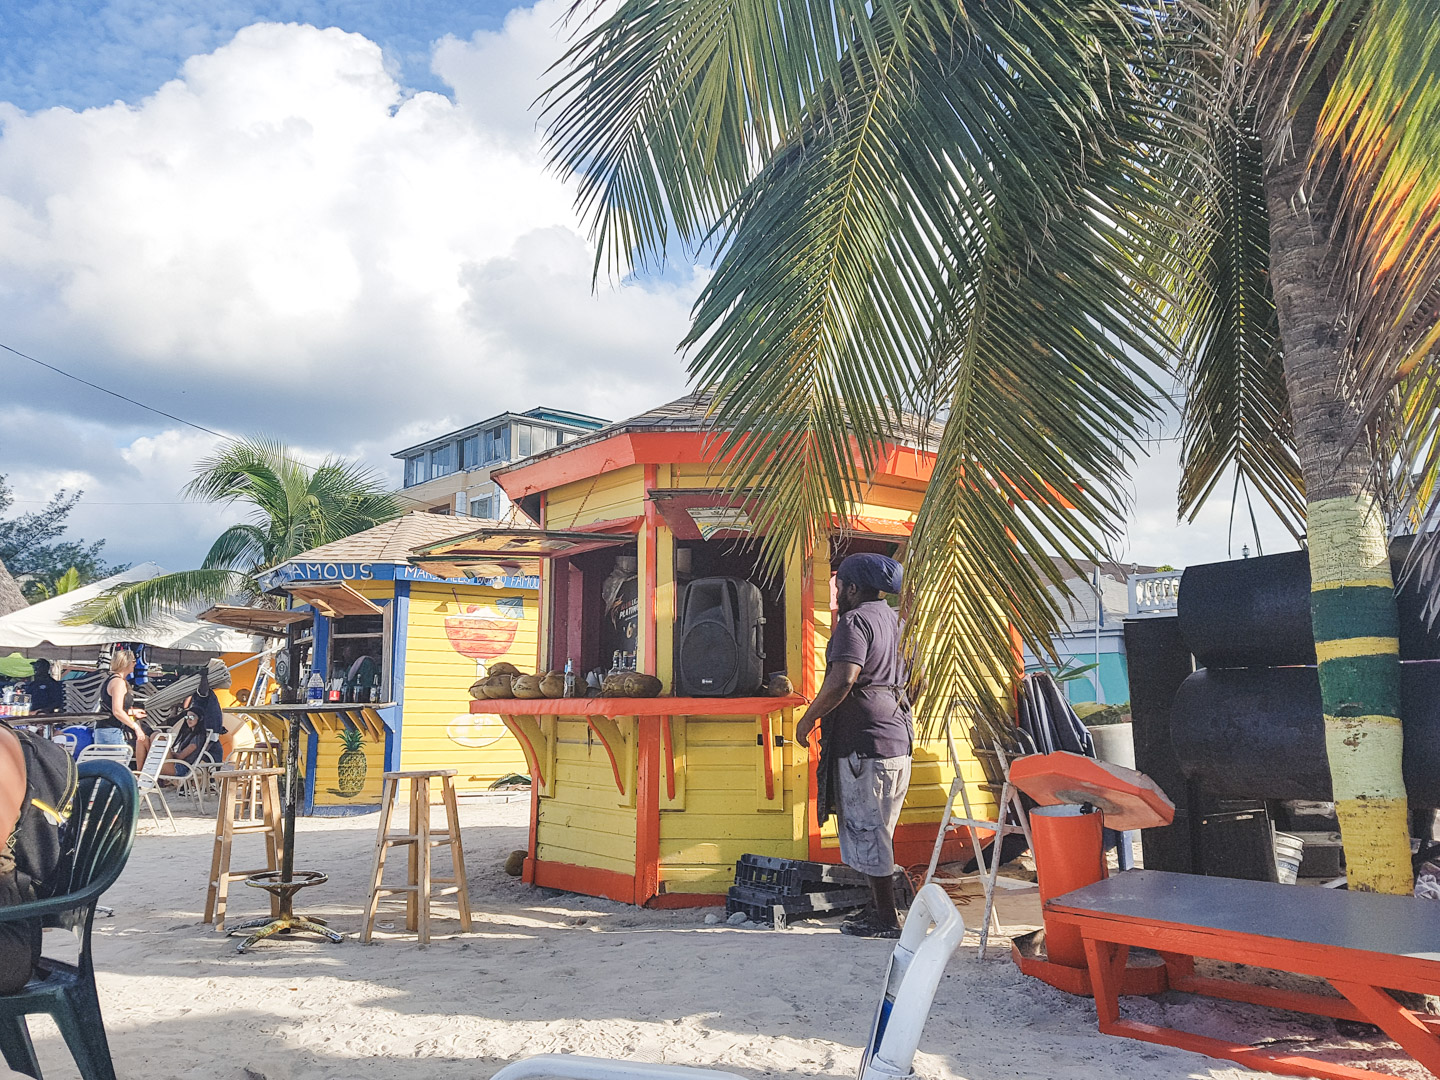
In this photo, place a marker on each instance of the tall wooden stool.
(249, 803)
(419, 838)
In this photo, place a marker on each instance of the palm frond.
(137, 603)
(979, 196)
(1236, 416)
(238, 547)
(665, 109)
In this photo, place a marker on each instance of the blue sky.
(79, 54)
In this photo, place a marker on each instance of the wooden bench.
(1361, 943)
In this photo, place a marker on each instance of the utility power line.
(168, 416)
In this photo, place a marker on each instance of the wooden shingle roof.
(393, 541)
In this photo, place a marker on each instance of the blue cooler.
(83, 733)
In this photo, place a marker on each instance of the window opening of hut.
(357, 652)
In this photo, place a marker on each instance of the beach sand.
(544, 972)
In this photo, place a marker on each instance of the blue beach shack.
(400, 648)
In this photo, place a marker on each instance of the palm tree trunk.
(1352, 596)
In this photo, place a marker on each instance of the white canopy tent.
(40, 629)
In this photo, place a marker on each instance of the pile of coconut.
(507, 681)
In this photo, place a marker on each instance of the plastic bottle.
(315, 688)
(569, 678)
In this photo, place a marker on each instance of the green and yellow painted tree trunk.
(1352, 603)
(1352, 595)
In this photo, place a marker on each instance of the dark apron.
(827, 779)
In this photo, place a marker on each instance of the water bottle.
(315, 688)
(569, 678)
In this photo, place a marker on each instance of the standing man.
(867, 733)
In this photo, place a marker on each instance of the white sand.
(544, 973)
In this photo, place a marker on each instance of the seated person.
(47, 694)
(190, 746)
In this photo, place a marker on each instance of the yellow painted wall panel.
(452, 631)
(616, 494)
(584, 856)
(724, 826)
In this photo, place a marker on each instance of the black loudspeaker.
(720, 649)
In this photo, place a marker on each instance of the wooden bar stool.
(249, 803)
(419, 838)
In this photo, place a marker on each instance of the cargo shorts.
(872, 791)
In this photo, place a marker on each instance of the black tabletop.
(1395, 925)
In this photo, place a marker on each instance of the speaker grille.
(708, 656)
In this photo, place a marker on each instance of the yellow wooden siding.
(586, 821)
(616, 494)
(438, 731)
(722, 819)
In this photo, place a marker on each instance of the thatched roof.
(11, 599)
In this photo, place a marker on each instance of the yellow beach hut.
(652, 801)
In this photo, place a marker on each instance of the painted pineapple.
(352, 765)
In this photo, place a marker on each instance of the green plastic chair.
(97, 844)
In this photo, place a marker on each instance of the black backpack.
(34, 849)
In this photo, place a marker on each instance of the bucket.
(1289, 850)
(1069, 854)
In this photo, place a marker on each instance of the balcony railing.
(1154, 594)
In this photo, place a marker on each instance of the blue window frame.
(442, 460)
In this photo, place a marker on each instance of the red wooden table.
(1360, 943)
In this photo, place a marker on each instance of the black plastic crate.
(792, 877)
(766, 906)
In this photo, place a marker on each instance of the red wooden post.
(647, 809)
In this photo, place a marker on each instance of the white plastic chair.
(933, 931)
(65, 739)
(120, 752)
(148, 778)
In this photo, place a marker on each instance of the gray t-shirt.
(874, 719)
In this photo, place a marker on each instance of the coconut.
(504, 668)
(497, 686)
(630, 684)
(553, 684)
(526, 686)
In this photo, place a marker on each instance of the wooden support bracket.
(537, 740)
(672, 760)
(607, 729)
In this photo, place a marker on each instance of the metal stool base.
(286, 920)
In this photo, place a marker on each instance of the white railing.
(1154, 594)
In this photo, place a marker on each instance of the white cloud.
(282, 240)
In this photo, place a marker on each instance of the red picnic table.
(1360, 943)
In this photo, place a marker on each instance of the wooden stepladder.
(1008, 802)
(419, 838)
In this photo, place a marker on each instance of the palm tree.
(293, 508)
(1024, 218)
(69, 581)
